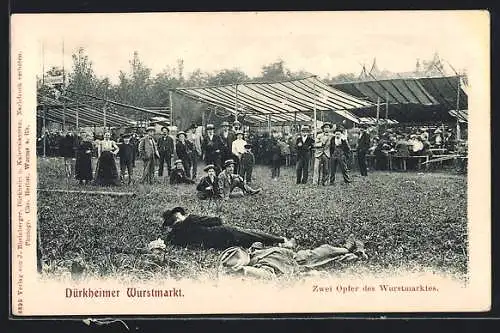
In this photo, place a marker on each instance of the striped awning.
(462, 115)
(279, 101)
(59, 112)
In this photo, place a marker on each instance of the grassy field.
(408, 221)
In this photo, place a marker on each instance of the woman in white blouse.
(238, 148)
(107, 173)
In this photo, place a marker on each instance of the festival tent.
(406, 100)
(286, 101)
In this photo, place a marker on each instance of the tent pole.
(171, 108)
(378, 115)
(77, 127)
(458, 106)
(45, 133)
(295, 121)
(236, 102)
(64, 117)
(104, 116)
(386, 110)
(315, 120)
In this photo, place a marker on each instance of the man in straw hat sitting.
(178, 174)
(148, 150)
(183, 229)
(208, 187)
(228, 181)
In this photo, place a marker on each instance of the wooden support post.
(378, 115)
(171, 105)
(44, 132)
(236, 102)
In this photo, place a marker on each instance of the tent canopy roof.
(410, 98)
(284, 101)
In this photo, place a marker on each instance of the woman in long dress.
(83, 165)
(107, 173)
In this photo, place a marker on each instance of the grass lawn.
(408, 221)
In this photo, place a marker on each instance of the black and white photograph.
(321, 154)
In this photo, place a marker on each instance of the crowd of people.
(229, 155)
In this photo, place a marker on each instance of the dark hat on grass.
(168, 215)
(229, 162)
(208, 167)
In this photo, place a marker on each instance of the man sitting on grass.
(208, 187)
(184, 229)
(178, 174)
(228, 181)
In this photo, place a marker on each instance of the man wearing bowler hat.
(212, 147)
(322, 155)
(304, 144)
(148, 150)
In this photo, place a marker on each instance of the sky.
(323, 43)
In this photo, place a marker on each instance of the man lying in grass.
(185, 229)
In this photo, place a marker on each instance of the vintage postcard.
(250, 163)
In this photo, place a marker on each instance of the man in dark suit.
(166, 150)
(304, 144)
(208, 187)
(339, 151)
(227, 138)
(183, 229)
(362, 150)
(211, 147)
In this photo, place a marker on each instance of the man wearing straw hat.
(208, 187)
(148, 150)
(322, 155)
(228, 181)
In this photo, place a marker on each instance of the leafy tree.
(228, 76)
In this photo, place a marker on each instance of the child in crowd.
(275, 157)
(247, 163)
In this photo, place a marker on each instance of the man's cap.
(165, 127)
(225, 123)
(168, 215)
(150, 128)
(210, 126)
(208, 167)
(236, 122)
(177, 162)
(229, 162)
(239, 132)
(125, 136)
(181, 132)
(248, 146)
(326, 124)
(339, 129)
(305, 128)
